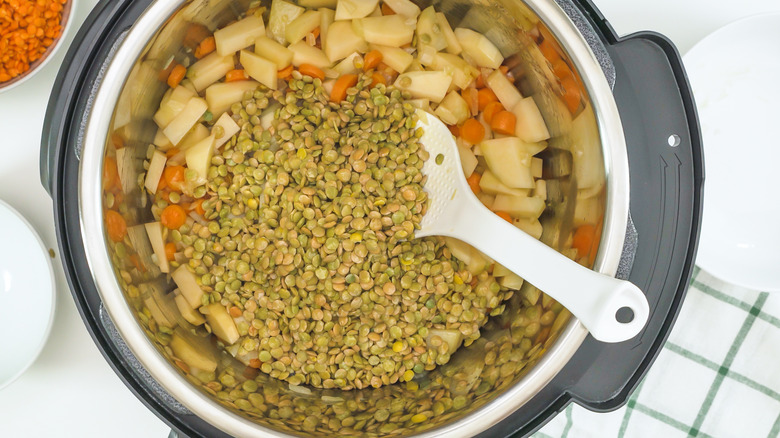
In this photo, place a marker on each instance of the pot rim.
(93, 231)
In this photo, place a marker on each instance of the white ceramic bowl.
(26, 295)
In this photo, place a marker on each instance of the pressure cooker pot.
(624, 157)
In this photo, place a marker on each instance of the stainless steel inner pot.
(585, 165)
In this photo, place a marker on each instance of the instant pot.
(638, 128)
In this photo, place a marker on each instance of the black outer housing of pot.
(655, 102)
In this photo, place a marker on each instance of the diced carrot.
(471, 96)
(473, 181)
(316, 32)
(255, 363)
(235, 312)
(472, 131)
(372, 60)
(170, 251)
(549, 51)
(484, 97)
(182, 366)
(174, 177)
(561, 69)
(572, 95)
(377, 78)
(505, 70)
(173, 217)
(171, 152)
(136, 261)
(285, 72)
(311, 70)
(115, 226)
(387, 10)
(205, 47)
(504, 123)
(111, 179)
(504, 215)
(176, 76)
(479, 82)
(194, 35)
(341, 86)
(198, 207)
(583, 239)
(164, 73)
(454, 129)
(236, 75)
(491, 110)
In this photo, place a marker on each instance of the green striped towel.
(717, 376)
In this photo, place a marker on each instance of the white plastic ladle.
(454, 211)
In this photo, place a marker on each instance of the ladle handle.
(592, 297)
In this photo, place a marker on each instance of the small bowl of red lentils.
(31, 31)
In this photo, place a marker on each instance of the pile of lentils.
(309, 231)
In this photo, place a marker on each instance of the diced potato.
(199, 156)
(431, 85)
(196, 134)
(306, 54)
(221, 96)
(350, 9)
(453, 109)
(357, 27)
(475, 261)
(157, 313)
(314, 4)
(486, 199)
(468, 160)
(426, 54)
(155, 171)
(504, 90)
(530, 124)
(343, 41)
(404, 8)
(508, 161)
(186, 83)
(537, 166)
(297, 29)
(428, 30)
(282, 13)
(453, 46)
(477, 47)
(452, 338)
(390, 30)
(423, 104)
(188, 286)
(155, 232)
(187, 312)
(396, 58)
(259, 69)
(462, 72)
(491, 185)
(587, 211)
(210, 69)
(274, 52)
(327, 17)
(519, 206)
(533, 294)
(161, 141)
(221, 323)
(347, 65)
(200, 357)
(540, 191)
(532, 227)
(229, 129)
(239, 35)
(182, 123)
(511, 281)
(172, 105)
(500, 271)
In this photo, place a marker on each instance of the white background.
(71, 390)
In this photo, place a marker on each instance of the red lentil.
(27, 29)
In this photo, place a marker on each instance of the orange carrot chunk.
(504, 123)
(504, 215)
(341, 86)
(205, 47)
(571, 94)
(377, 78)
(472, 131)
(372, 60)
(311, 70)
(115, 226)
(473, 181)
(387, 10)
(490, 110)
(285, 72)
(174, 177)
(236, 75)
(173, 217)
(583, 239)
(170, 251)
(484, 97)
(176, 76)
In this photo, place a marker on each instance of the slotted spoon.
(454, 211)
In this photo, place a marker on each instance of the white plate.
(734, 74)
(26, 294)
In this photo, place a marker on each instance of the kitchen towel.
(718, 375)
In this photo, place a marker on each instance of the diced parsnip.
(200, 357)
(532, 295)
(297, 29)
(396, 58)
(540, 191)
(508, 161)
(452, 338)
(377, 12)
(519, 206)
(453, 46)
(187, 312)
(155, 232)
(239, 35)
(282, 13)
(199, 156)
(477, 47)
(532, 227)
(314, 4)
(491, 185)
(221, 323)
(155, 171)
(342, 41)
(188, 286)
(182, 123)
(157, 313)
(221, 96)
(428, 30)
(196, 134)
(210, 69)
(530, 123)
(350, 9)
(486, 199)
(462, 72)
(186, 83)
(504, 90)
(259, 69)
(500, 271)
(357, 27)
(229, 129)
(347, 65)
(511, 281)
(537, 166)
(172, 105)
(587, 211)
(390, 30)
(404, 8)
(431, 85)
(274, 52)
(161, 141)
(328, 86)
(327, 17)
(475, 261)
(306, 54)
(423, 104)
(453, 109)
(426, 54)
(468, 161)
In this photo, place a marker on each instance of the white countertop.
(71, 390)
